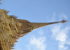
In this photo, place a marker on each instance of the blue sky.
(52, 37)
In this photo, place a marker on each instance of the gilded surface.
(12, 28)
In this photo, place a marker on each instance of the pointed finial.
(63, 21)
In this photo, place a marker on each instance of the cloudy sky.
(51, 37)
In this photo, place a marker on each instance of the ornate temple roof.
(12, 28)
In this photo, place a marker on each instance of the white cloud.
(61, 36)
(38, 42)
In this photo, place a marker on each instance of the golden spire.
(12, 28)
(37, 25)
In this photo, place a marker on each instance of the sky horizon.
(51, 37)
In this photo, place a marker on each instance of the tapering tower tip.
(37, 25)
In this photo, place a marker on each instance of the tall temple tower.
(12, 28)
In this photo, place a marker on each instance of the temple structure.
(12, 28)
